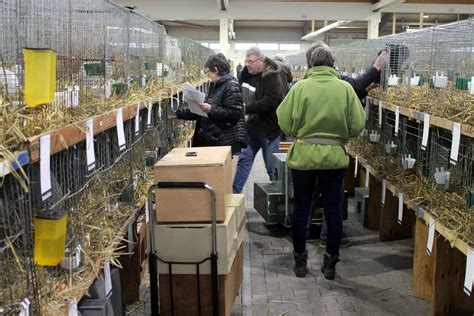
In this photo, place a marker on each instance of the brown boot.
(329, 266)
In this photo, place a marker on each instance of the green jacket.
(321, 105)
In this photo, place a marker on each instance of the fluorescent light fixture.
(426, 16)
(324, 29)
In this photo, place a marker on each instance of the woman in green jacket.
(321, 112)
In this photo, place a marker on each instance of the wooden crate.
(211, 165)
(185, 291)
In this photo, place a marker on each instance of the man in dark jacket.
(286, 74)
(262, 124)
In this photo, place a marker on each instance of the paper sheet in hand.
(194, 97)
(248, 93)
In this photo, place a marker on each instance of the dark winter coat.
(269, 92)
(363, 81)
(225, 124)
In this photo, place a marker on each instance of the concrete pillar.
(224, 35)
(394, 23)
(373, 25)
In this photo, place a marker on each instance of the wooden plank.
(389, 229)
(375, 196)
(449, 297)
(424, 266)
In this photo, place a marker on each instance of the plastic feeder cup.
(119, 88)
(50, 238)
(95, 69)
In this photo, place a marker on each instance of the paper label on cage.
(147, 215)
(380, 112)
(73, 308)
(397, 119)
(159, 109)
(426, 131)
(455, 143)
(137, 119)
(75, 96)
(469, 276)
(45, 168)
(400, 208)
(78, 255)
(150, 111)
(367, 108)
(90, 145)
(384, 188)
(172, 98)
(367, 176)
(356, 166)
(120, 133)
(431, 233)
(107, 278)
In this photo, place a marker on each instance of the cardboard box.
(185, 293)
(238, 201)
(192, 243)
(211, 165)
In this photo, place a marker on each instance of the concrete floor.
(373, 278)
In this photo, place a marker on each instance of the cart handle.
(182, 185)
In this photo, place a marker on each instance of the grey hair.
(312, 48)
(257, 52)
(321, 56)
(280, 57)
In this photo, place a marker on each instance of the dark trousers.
(330, 182)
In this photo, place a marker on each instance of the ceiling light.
(426, 16)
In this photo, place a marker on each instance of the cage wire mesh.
(106, 56)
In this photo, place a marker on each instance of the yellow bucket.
(50, 239)
(40, 76)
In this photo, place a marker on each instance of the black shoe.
(301, 262)
(329, 266)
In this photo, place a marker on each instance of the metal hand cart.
(153, 255)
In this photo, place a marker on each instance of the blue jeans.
(330, 185)
(247, 156)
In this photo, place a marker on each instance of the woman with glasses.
(225, 122)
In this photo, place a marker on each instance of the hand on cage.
(381, 60)
(371, 86)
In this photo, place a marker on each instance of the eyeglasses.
(206, 71)
(251, 62)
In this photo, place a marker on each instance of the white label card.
(137, 119)
(455, 143)
(172, 97)
(150, 111)
(400, 208)
(159, 109)
(367, 176)
(384, 189)
(426, 131)
(431, 233)
(380, 112)
(107, 278)
(397, 119)
(469, 276)
(45, 167)
(356, 166)
(367, 108)
(73, 308)
(147, 212)
(90, 145)
(120, 133)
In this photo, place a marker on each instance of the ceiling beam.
(382, 4)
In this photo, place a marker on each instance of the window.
(205, 44)
(244, 46)
(290, 47)
(268, 46)
(214, 45)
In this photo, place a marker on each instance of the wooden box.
(192, 243)
(211, 165)
(185, 291)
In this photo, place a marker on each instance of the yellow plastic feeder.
(40, 76)
(50, 238)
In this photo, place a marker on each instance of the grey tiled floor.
(373, 278)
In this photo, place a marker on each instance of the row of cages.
(48, 247)
(429, 70)
(65, 61)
